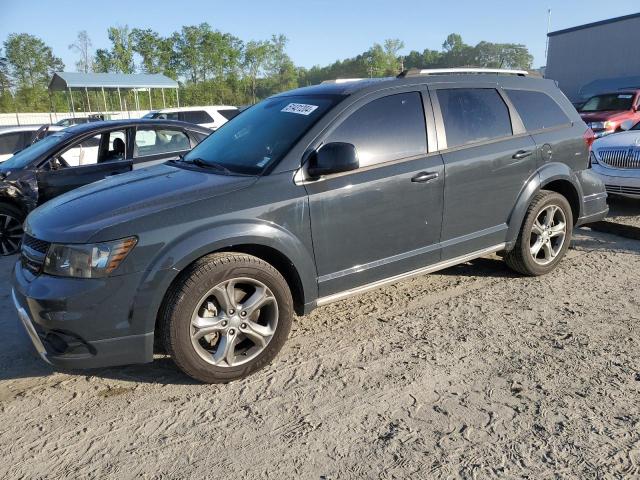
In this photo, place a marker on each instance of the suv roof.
(416, 77)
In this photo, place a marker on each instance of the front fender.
(184, 250)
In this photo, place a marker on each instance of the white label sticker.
(299, 108)
(625, 96)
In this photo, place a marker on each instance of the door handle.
(522, 154)
(424, 177)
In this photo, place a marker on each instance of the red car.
(605, 112)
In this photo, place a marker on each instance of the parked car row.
(306, 198)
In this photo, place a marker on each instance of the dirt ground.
(472, 372)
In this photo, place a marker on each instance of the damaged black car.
(83, 154)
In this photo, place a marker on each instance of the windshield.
(609, 101)
(261, 135)
(25, 157)
(636, 126)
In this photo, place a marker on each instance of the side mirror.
(627, 125)
(333, 157)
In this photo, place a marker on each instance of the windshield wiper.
(206, 164)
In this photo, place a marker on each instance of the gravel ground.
(472, 372)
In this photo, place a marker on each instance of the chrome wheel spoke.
(257, 300)
(537, 228)
(225, 351)
(225, 294)
(558, 229)
(258, 334)
(549, 254)
(535, 248)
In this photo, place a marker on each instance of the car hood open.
(77, 215)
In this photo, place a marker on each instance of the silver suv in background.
(212, 117)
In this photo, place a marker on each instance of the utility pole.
(546, 48)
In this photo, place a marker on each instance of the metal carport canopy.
(66, 80)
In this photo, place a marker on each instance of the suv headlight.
(95, 260)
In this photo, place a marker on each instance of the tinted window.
(12, 142)
(197, 116)
(609, 101)
(260, 136)
(537, 110)
(386, 129)
(166, 115)
(229, 113)
(473, 115)
(156, 141)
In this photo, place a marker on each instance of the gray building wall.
(601, 50)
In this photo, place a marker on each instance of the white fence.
(12, 119)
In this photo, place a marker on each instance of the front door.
(88, 160)
(383, 219)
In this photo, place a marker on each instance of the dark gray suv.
(306, 198)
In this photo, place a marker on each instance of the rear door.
(488, 157)
(86, 161)
(384, 218)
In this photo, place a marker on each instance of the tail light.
(589, 137)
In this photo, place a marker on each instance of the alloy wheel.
(10, 234)
(548, 234)
(234, 322)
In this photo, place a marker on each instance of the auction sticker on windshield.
(299, 108)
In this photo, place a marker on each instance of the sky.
(319, 31)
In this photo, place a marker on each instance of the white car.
(14, 139)
(616, 159)
(212, 117)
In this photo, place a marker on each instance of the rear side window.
(197, 116)
(229, 113)
(386, 129)
(473, 115)
(12, 142)
(157, 141)
(537, 110)
(166, 116)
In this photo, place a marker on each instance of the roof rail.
(342, 80)
(414, 72)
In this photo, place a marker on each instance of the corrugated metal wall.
(609, 50)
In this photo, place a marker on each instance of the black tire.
(520, 258)
(11, 220)
(182, 301)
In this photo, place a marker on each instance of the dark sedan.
(80, 155)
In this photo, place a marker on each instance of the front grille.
(33, 253)
(34, 244)
(623, 190)
(620, 157)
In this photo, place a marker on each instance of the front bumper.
(81, 323)
(623, 182)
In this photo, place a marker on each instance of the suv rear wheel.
(544, 236)
(228, 315)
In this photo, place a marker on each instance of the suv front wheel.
(544, 236)
(228, 315)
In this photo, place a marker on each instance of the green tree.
(31, 63)
(122, 49)
(102, 61)
(254, 62)
(82, 46)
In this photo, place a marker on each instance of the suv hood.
(630, 138)
(602, 116)
(78, 215)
